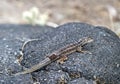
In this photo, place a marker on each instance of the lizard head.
(85, 40)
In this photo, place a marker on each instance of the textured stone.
(11, 39)
(102, 65)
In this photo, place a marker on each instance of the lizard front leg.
(79, 49)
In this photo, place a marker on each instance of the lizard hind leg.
(62, 59)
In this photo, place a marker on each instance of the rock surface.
(101, 66)
(11, 39)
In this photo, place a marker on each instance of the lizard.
(64, 51)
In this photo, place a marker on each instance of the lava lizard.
(68, 49)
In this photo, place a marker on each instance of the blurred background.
(56, 12)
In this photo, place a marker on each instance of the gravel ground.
(62, 11)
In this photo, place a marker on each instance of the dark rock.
(11, 39)
(102, 65)
(82, 81)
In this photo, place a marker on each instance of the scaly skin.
(69, 49)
